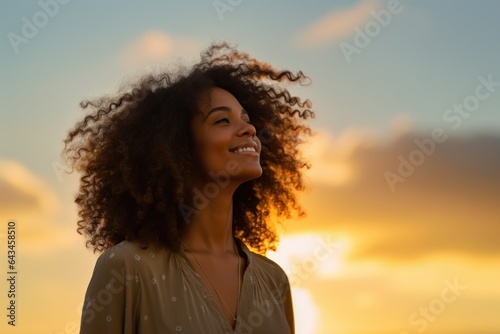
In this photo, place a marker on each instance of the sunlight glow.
(306, 312)
(304, 256)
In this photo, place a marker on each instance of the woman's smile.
(249, 148)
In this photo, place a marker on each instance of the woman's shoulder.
(266, 265)
(123, 251)
(130, 260)
(130, 253)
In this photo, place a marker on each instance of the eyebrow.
(223, 108)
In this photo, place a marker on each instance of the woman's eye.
(226, 120)
(222, 119)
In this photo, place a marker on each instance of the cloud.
(32, 204)
(337, 24)
(155, 45)
(331, 154)
(448, 204)
(21, 189)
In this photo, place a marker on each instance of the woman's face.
(225, 143)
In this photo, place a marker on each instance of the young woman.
(182, 173)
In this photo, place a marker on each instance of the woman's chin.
(249, 175)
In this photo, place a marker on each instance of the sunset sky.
(402, 233)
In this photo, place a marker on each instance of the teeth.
(244, 149)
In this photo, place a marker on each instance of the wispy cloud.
(156, 45)
(23, 191)
(30, 202)
(337, 24)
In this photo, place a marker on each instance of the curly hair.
(131, 150)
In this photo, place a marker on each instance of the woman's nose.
(247, 129)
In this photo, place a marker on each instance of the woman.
(181, 175)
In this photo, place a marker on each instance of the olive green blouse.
(135, 290)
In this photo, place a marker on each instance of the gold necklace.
(213, 286)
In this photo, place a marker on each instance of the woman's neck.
(211, 228)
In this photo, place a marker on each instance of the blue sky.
(427, 58)
(370, 107)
